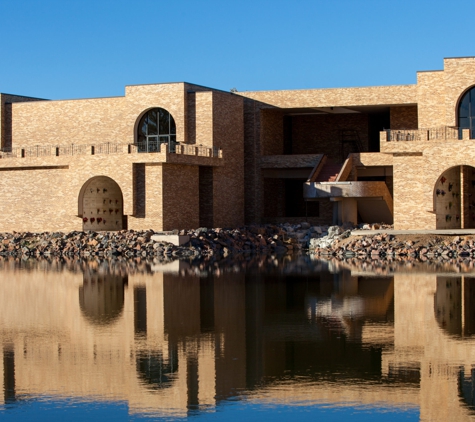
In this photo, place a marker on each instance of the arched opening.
(101, 205)
(101, 297)
(156, 127)
(466, 112)
(454, 198)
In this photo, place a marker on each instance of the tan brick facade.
(240, 157)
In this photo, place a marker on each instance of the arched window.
(467, 112)
(156, 127)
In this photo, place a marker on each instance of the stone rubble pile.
(130, 243)
(204, 242)
(383, 245)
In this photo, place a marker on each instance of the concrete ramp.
(371, 200)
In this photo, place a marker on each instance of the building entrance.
(101, 205)
(454, 198)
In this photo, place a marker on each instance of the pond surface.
(260, 338)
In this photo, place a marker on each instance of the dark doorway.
(295, 205)
(377, 122)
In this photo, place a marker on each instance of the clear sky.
(93, 48)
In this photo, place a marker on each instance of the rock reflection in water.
(262, 329)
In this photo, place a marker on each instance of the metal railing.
(431, 134)
(37, 151)
(110, 148)
(11, 152)
(73, 149)
(156, 146)
(199, 150)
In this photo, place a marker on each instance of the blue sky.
(83, 48)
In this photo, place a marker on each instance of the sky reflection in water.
(53, 410)
(266, 337)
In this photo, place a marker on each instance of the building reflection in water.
(8, 373)
(455, 305)
(170, 344)
(101, 297)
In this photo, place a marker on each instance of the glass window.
(466, 113)
(156, 126)
(464, 106)
(152, 127)
(164, 122)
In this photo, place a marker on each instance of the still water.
(258, 338)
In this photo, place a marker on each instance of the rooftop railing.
(110, 148)
(431, 134)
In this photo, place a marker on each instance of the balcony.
(107, 148)
(417, 140)
(433, 134)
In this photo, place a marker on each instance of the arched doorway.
(101, 205)
(454, 198)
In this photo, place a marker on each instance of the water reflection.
(263, 330)
(454, 305)
(101, 297)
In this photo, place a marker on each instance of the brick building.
(180, 155)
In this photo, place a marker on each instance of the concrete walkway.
(447, 232)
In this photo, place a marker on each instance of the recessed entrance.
(101, 205)
(454, 198)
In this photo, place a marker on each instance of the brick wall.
(416, 178)
(180, 199)
(459, 75)
(272, 132)
(97, 120)
(191, 117)
(72, 122)
(317, 134)
(204, 118)
(42, 194)
(39, 196)
(431, 99)
(6, 116)
(404, 117)
(252, 154)
(336, 97)
(206, 196)
(228, 180)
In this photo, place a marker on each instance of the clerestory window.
(156, 127)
